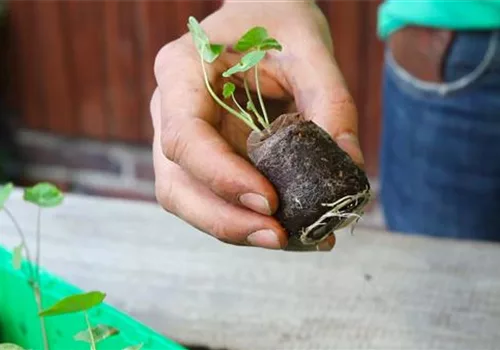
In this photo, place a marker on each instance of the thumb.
(321, 94)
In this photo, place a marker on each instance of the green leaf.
(251, 39)
(248, 61)
(134, 347)
(74, 303)
(269, 44)
(5, 192)
(17, 256)
(228, 89)
(43, 194)
(10, 346)
(257, 38)
(209, 52)
(99, 333)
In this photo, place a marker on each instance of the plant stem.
(248, 116)
(91, 335)
(34, 276)
(38, 299)
(249, 96)
(23, 240)
(38, 241)
(260, 95)
(220, 102)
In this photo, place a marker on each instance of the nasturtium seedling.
(96, 334)
(255, 43)
(74, 303)
(5, 192)
(44, 195)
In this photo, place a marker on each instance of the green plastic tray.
(19, 322)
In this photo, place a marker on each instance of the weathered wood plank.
(375, 291)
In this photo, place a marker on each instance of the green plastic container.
(20, 324)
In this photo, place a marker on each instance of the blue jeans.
(440, 148)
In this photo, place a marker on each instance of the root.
(357, 201)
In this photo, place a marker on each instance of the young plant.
(45, 195)
(83, 303)
(320, 188)
(255, 43)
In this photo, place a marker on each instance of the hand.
(202, 173)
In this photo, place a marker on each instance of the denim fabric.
(440, 149)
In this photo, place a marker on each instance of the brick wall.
(87, 166)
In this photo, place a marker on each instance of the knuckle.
(164, 195)
(172, 145)
(170, 55)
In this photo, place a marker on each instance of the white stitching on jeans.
(444, 88)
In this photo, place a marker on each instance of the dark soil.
(308, 169)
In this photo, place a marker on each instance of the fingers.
(189, 139)
(321, 93)
(191, 201)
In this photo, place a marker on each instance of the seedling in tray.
(45, 195)
(320, 188)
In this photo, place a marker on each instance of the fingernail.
(256, 202)
(350, 144)
(264, 239)
(327, 244)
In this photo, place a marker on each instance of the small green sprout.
(74, 303)
(44, 195)
(254, 43)
(83, 303)
(96, 334)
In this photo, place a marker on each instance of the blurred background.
(76, 79)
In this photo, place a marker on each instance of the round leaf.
(269, 44)
(251, 39)
(228, 90)
(74, 303)
(248, 61)
(209, 52)
(44, 195)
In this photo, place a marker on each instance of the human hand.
(202, 172)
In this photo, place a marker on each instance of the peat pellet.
(320, 188)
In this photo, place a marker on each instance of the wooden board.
(374, 291)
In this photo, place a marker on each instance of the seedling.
(45, 195)
(320, 188)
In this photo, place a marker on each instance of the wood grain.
(376, 290)
(53, 65)
(85, 42)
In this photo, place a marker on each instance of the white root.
(361, 199)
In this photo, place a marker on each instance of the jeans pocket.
(469, 58)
